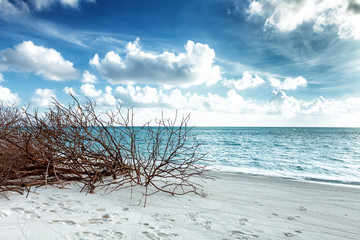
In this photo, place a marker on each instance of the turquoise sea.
(316, 154)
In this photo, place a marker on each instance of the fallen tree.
(74, 143)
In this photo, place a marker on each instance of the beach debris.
(76, 143)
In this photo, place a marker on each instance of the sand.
(234, 206)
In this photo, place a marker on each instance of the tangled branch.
(74, 143)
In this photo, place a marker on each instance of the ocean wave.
(314, 154)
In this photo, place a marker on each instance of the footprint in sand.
(34, 216)
(301, 208)
(243, 221)
(207, 224)
(257, 203)
(147, 225)
(293, 218)
(29, 213)
(106, 218)
(150, 235)
(289, 234)
(273, 215)
(102, 234)
(103, 219)
(59, 195)
(65, 205)
(162, 217)
(192, 216)
(242, 235)
(18, 209)
(161, 232)
(199, 219)
(68, 222)
(158, 234)
(2, 214)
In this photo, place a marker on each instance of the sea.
(328, 155)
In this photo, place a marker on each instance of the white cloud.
(7, 97)
(21, 7)
(90, 90)
(145, 96)
(231, 109)
(289, 15)
(46, 62)
(87, 77)
(101, 99)
(43, 97)
(175, 99)
(194, 67)
(280, 110)
(322, 109)
(107, 99)
(247, 81)
(288, 83)
(8, 8)
(255, 8)
(19, 13)
(45, 4)
(69, 90)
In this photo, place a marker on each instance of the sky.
(292, 63)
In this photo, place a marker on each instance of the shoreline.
(350, 184)
(233, 206)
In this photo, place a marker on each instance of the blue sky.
(228, 63)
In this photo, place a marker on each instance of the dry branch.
(73, 143)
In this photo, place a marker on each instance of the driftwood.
(74, 143)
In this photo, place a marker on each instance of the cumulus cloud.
(288, 83)
(232, 103)
(152, 97)
(247, 81)
(87, 77)
(106, 99)
(139, 96)
(43, 97)
(69, 90)
(90, 90)
(289, 15)
(280, 104)
(279, 110)
(175, 99)
(101, 99)
(320, 107)
(193, 67)
(7, 97)
(45, 62)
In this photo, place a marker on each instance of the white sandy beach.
(234, 206)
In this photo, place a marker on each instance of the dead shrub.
(75, 143)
